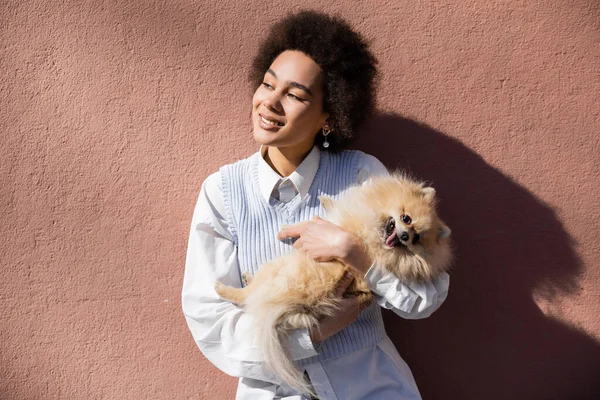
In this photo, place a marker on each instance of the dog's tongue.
(392, 240)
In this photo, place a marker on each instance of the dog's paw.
(219, 288)
(247, 278)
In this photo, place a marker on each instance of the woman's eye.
(293, 96)
(268, 86)
(406, 219)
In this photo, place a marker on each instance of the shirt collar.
(302, 177)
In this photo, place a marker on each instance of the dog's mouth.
(391, 238)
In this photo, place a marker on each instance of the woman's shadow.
(489, 340)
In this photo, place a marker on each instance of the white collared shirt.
(298, 181)
(223, 331)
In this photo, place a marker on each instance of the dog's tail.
(273, 331)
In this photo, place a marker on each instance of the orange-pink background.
(113, 112)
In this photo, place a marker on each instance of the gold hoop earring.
(326, 131)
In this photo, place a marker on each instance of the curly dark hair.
(349, 68)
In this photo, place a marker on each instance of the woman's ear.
(329, 122)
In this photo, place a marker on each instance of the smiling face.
(287, 108)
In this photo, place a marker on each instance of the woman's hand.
(348, 311)
(324, 241)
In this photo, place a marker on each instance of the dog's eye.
(390, 225)
(406, 219)
(416, 238)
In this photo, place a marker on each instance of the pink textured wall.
(112, 113)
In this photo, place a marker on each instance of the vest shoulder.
(347, 155)
(345, 158)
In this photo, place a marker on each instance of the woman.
(314, 80)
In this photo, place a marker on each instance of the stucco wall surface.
(112, 113)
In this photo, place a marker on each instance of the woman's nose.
(273, 101)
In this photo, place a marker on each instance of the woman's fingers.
(298, 244)
(346, 313)
(343, 284)
(291, 231)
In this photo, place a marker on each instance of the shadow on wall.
(489, 340)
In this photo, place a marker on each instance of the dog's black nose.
(404, 236)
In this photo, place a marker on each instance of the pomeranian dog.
(396, 219)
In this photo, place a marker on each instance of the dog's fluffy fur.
(396, 219)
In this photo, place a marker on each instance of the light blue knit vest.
(254, 224)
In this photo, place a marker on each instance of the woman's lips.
(268, 124)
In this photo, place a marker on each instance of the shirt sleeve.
(410, 301)
(369, 167)
(222, 331)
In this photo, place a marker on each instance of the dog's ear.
(445, 232)
(327, 203)
(429, 193)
